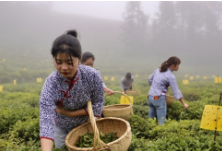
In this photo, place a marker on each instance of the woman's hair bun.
(72, 33)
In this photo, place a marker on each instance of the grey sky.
(103, 9)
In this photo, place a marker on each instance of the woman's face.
(64, 66)
(174, 68)
(89, 62)
(177, 67)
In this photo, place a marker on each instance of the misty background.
(124, 36)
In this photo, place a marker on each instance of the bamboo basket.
(133, 92)
(106, 126)
(123, 111)
(169, 100)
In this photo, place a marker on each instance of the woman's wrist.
(105, 89)
(65, 112)
(182, 101)
(46, 144)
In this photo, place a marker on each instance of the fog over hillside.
(189, 30)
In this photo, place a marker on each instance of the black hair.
(67, 43)
(86, 56)
(172, 60)
(128, 75)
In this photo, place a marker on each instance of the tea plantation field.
(19, 119)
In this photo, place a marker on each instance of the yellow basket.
(125, 100)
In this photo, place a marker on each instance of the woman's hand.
(108, 91)
(185, 106)
(59, 110)
(80, 112)
(63, 111)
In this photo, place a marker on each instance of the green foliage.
(147, 128)
(26, 87)
(177, 143)
(5, 79)
(172, 135)
(191, 95)
(22, 76)
(176, 110)
(141, 111)
(140, 99)
(25, 130)
(10, 114)
(113, 99)
(28, 98)
(86, 140)
(140, 127)
(16, 145)
(138, 144)
(19, 119)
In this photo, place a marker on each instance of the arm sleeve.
(97, 98)
(121, 84)
(47, 112)
(150, 79)
(175, 89)
(132, 79)
(104, 86)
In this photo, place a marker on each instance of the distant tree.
(212, 18)
(199, 19)
(164, 29)
(190, 29)
(200, 26)
(134, 27)
(167, 19)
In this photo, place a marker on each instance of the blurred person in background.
(126, 82)
(69, 87)
(159, 82)
(88, 59)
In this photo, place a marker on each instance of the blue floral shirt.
(86, 86)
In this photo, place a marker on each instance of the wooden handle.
(98, 144)
(122, 94)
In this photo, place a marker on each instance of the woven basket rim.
(107, 107)
(101, 119)
(170, 97)
(132, 91)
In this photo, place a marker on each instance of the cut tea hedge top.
(160, 81)
(71, 95)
